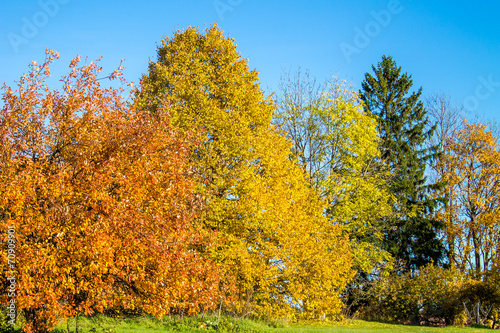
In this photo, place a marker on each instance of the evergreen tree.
(412, 234)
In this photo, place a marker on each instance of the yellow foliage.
(287, 257)
(337, 144)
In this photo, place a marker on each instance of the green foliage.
(402, 121)
(4, 325)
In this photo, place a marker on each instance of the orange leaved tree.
(99, 199)
(471, 168)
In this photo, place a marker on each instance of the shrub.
(433, 293)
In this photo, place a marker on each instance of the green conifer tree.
(403, 125)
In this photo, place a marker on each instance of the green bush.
(5, 327)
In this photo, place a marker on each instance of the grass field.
(211, 324)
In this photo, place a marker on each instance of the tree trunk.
(477, 255)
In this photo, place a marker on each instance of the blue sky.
(447, 46)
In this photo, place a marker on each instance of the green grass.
(365, 326)
(102, 324)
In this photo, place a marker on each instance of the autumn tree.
(100, 199)
(444, 116)
(298, 98)
(336, 143)
(471, 169)
(288, 258)
(447, 118)
(402, 125)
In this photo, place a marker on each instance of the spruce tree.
(403, 125)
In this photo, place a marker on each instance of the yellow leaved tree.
(287, 257)
(337, 144)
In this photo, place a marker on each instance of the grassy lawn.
(147, 325)
(364, 326)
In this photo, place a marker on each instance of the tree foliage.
(471, 169)
(402, 122)
(101, 200)
(337, 145)
(434, 292)
(287, 257)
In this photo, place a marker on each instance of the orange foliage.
(471, 169)
(101, 200)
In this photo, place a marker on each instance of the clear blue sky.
(448, 46)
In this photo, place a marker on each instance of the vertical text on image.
(11, 274)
